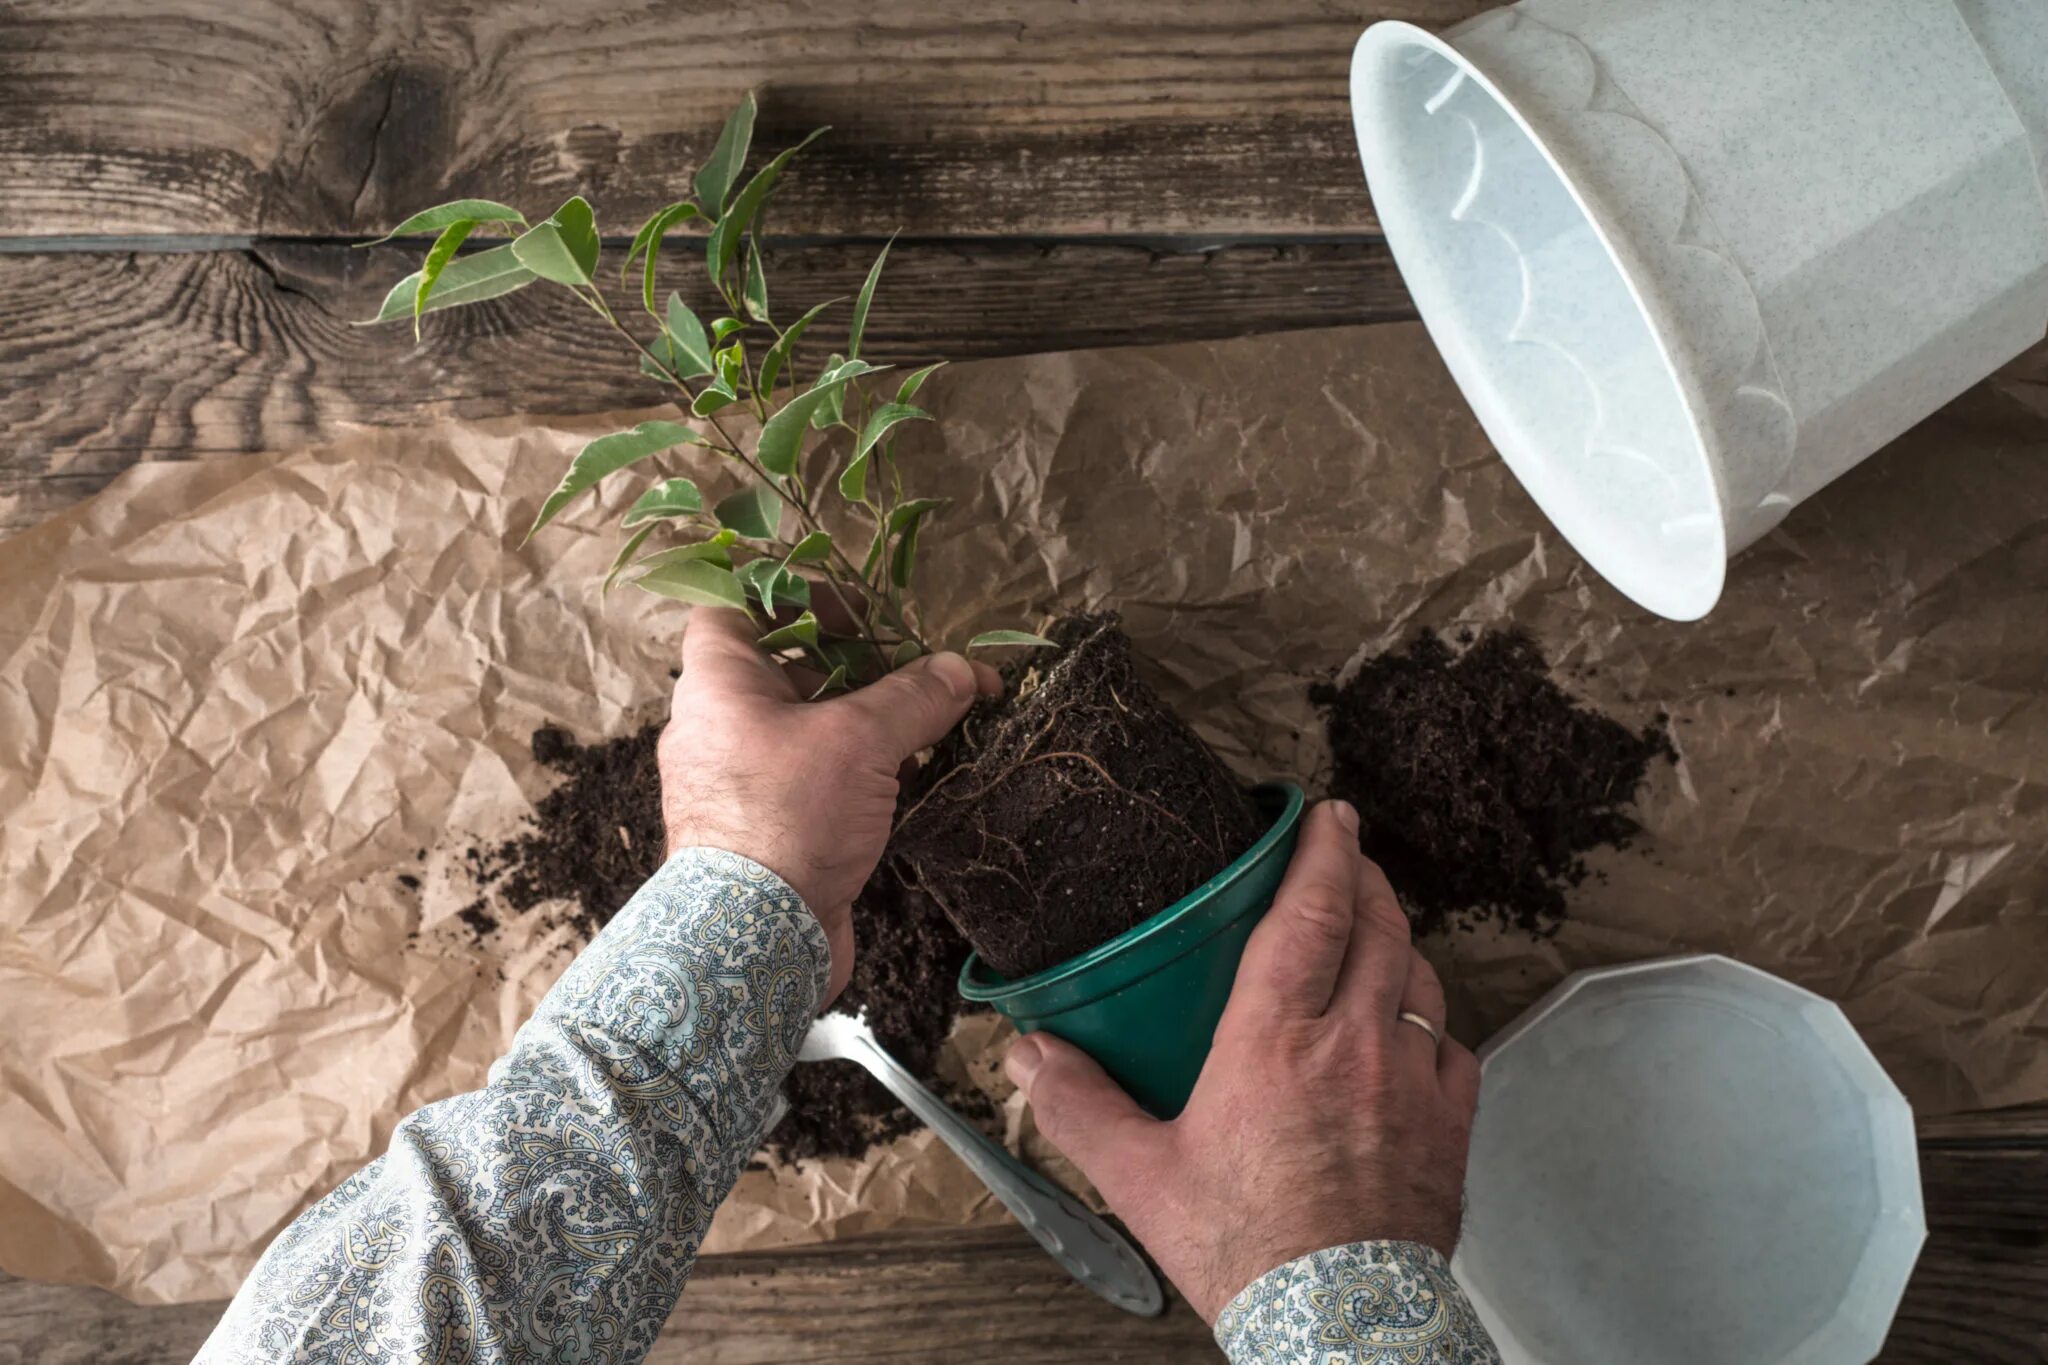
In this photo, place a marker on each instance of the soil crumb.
(1481, 785)
(598, 835)
(1074, 807)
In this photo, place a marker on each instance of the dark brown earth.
(597, 835)
(1481, 785)
(1070, 810)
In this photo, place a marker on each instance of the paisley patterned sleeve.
(554, 1214)
(1370, 1303)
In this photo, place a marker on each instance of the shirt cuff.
(1375, 1302)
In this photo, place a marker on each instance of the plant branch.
(596, 300)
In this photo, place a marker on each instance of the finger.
(1423, 997)
(1293, 957)
(1457, 1072)
(915, 706)
(719, 654)
(1083, 1112)
(1377, 961)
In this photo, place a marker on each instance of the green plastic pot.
(1145, 1004)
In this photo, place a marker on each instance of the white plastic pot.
(1690, 260)
(1688, 1162)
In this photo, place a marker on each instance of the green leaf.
(447, 215)
(654, 369)
(757, 284)
(909, 514)
(915, 382)
(802, 631)
(874, 555)
(882, 419)
(715, 177)
(724, 242)
(564, 248)
(438, 256)
(666, 500)
(833, 682)
(907, 521)
(906, 650)
(607, 455)
(771, 582)
(827, 415)
(713, 400)
(649, 240)
(688, 345)
(834, 380)
(721, 328)
(903, 560)
(778, 354)
(781, 441)
(467, 279)
(993, 639)
(838, 371)
(866, 297)
(732, 366)
(626, 552)
(712, 551)
(754, 512)
(814, 548)
(698, 581)
(853, 480)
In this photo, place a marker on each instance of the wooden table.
(181, 183)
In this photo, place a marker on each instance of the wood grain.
(114, 359)
(1036, 117)
(991, 1294)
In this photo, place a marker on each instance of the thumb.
(1083, 1112)
(915, 706)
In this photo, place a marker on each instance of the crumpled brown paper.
(239, 697)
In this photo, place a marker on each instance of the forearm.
(555, 1214)
(1369, 1303)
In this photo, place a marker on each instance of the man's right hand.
(1321, 1117)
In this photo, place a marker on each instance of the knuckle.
(1320, 910)
(1383, 915)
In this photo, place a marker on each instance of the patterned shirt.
(555, 1214)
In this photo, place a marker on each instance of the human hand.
(806, 790)
(1320, 1118)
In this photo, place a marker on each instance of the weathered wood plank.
(1977, 1295)
(2020, 1126)
(114, 359)
(1034, 117)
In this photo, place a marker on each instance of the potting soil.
(598, 835)
(1071, 809)
(1481, 785)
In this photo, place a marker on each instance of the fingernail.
(954, 671)
(1346, 813)
(1027, 1054)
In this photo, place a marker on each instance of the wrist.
(833, 921)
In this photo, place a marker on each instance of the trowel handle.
(1093, 1252)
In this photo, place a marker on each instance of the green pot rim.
(983, 986)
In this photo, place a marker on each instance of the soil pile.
(1480, 784)
(598, 835)
(1071, 809)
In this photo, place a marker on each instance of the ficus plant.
(766, 547)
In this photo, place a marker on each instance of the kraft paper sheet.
(240, 696)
